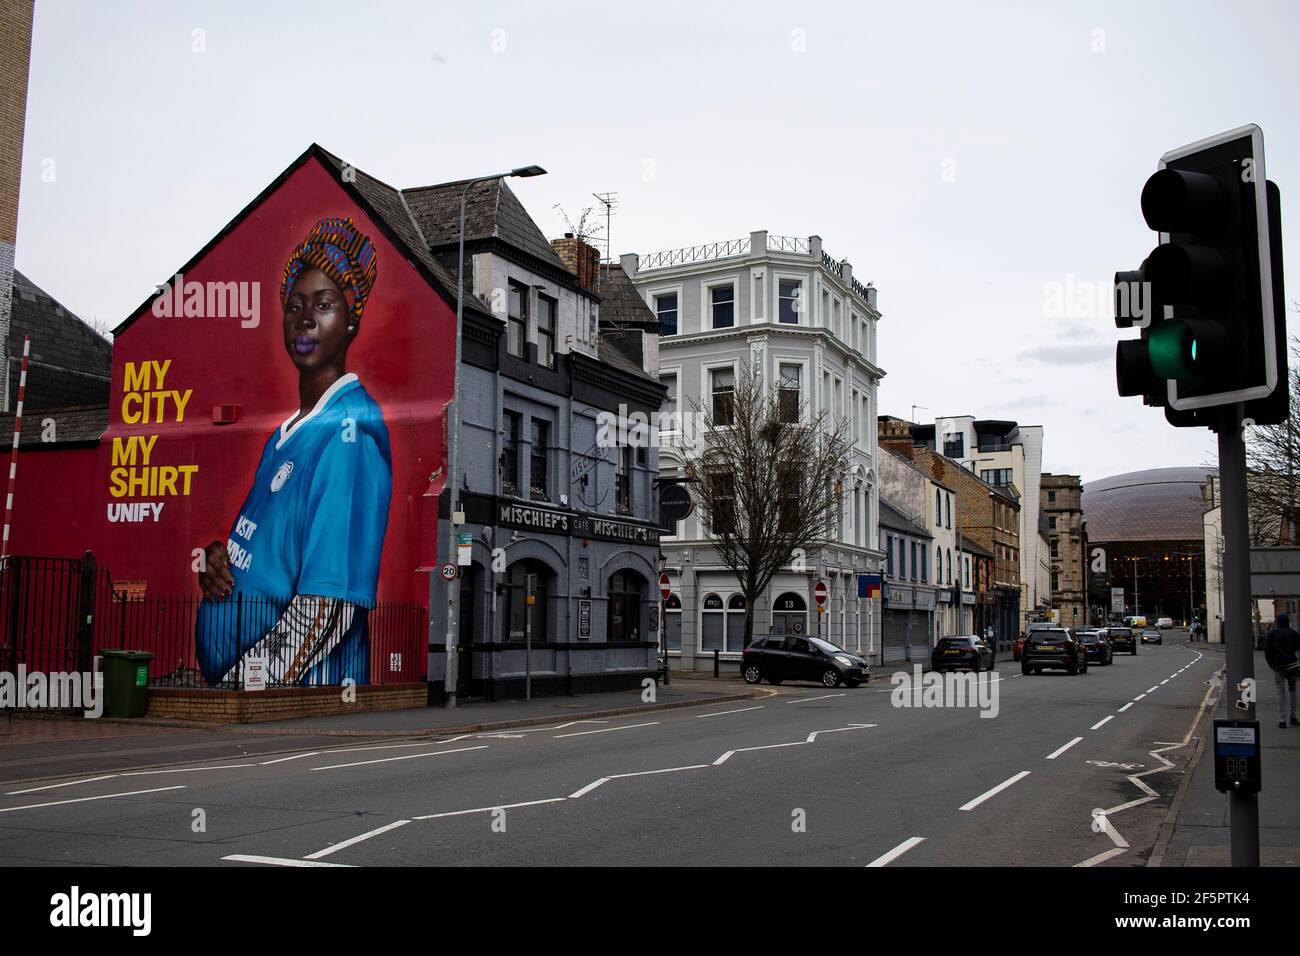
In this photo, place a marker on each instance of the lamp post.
(455, 515)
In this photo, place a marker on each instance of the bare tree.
(1273, 470)
(768, 478)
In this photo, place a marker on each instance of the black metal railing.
(57, 614)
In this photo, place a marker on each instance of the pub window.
(510, 454)
(623, 480)
(537, 470)
(626, 595)
(546, 331)
(517, 321)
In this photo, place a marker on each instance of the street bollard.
(715, 663)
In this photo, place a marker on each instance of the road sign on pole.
(665, 586)
(819, 593)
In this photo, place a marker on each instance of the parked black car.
(778, 658)
(1053, 647)
(961, 653)
(1122, 639)
(1096, 647)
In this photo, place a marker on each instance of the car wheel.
(830, 677)
(752, 674)
(1071, 669)
(1025, 670)
(1135, 650)
(976, 668)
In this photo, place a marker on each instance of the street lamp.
(456, 516)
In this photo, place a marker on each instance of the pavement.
(1099, 769)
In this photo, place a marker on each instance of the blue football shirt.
(313, 522)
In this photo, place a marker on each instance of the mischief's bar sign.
(529, 518)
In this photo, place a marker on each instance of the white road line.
(588, 788)
(55, 786)
(267, 763)
(277, 861)
(813, 736)
(1102, 857)
(499, 806)
(606, 730)
(354, 840)
(1138, 698)
(105, 796)
(805, 700)
(896, 852)
(1125, 707)
(147, 773)
(722, 713)
(730, 753)
(995, 791)
(1165, 681)
(355, 750)
(1099, 724)
(1060, 750)
(1152, 690)
(434, 753)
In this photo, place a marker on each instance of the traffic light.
(1208, 299)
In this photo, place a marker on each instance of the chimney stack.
(579, 258)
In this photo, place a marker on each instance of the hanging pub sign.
(675, 502)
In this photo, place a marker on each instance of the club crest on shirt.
(281, 476)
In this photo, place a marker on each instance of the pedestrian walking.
(1282, 652)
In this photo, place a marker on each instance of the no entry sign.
(819, 593)
(665, 586)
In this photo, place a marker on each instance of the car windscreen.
(827, 646)
(954, 642)
(1120, 632)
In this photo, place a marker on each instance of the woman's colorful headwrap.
(343, 253)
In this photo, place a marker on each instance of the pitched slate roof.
(492, 211)
(389, 204)
(620, 303)
(69, 363)
(890, 517)
(609, 354)
(80, 424)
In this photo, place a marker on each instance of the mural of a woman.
(304, 549)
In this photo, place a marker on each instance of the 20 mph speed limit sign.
(449, 572)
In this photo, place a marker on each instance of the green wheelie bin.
(126, 683)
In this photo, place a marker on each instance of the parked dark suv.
(778, 658)
(1053, 647)
(1122, 639)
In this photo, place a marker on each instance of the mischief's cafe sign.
(551, 521)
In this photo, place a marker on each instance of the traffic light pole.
(1243, 808)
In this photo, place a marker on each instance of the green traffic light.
(1172, 349)
(1193, 350)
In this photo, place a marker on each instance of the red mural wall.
(167, 479)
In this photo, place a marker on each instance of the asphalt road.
(805, 776)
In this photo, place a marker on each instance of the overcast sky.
(978, 162)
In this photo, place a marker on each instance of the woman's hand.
(215, 579)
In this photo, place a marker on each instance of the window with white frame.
(790, 398)
(722, 382)
(668, 410)
(722, 625)
(789, 301)
(722, 306)
(666, 308)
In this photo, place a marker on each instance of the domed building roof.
(1160, 504)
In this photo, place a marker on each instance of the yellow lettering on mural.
(124, 453)
(181, 401)
(136, 378)
(151, 481)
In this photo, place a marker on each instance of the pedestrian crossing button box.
(1236, 756)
